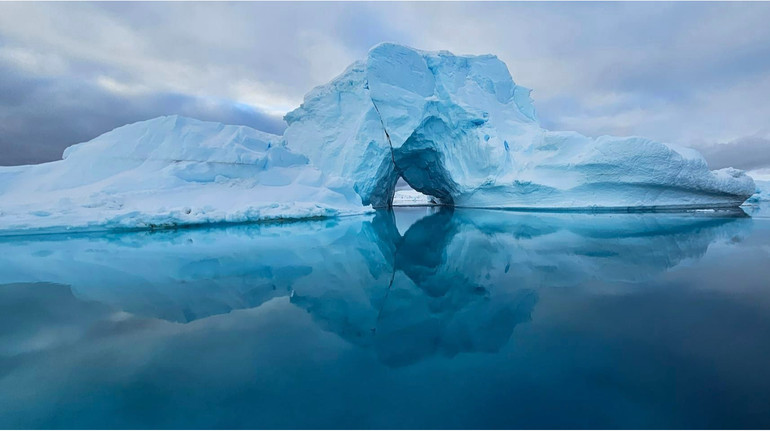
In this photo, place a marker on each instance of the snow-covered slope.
(458, 128)
(170, 171)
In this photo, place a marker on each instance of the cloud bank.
(691, 73)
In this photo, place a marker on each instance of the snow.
(458, 128)
(170, 171)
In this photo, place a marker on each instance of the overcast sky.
(696, 74)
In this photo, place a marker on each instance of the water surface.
(418, 318)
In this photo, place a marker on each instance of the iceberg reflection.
(455, 281)
(462, 280)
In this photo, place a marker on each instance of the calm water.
(418, 319)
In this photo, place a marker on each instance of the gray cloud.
(751, 152)
(40, 117)
(688, 73)
(676, 72)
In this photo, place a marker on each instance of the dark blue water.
(413, 319)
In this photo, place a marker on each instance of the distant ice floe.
(762, 181)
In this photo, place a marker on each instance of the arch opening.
(417, 169)
(406, 196)
(421, 161)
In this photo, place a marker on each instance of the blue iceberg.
(456, 128)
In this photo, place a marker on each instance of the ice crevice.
(392, 155)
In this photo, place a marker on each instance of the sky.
(694, 74)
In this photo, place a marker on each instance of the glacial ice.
(456, 128)
(459, 129)
(170, 171)
(762, 180)
(762, 193)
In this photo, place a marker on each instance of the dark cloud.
(40, 117)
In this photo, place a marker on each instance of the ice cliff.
(456, 128)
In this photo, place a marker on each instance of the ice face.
(458, 128)
(339, 128)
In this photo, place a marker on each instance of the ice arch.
(397, 115)
(459, 128)
(421, 162)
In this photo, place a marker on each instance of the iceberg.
(459, 129)
(454, 128)
(762, 193)
(170, 171)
